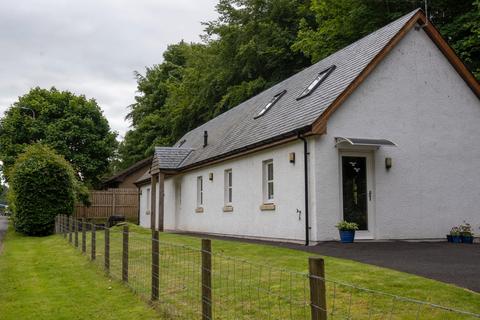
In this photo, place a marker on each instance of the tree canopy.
(73, 126)
(254, 44)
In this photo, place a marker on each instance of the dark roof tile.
(236, 129)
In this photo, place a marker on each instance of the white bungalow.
(385, 133)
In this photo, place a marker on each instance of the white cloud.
(91, 47)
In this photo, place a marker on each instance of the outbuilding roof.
(120, 176)
(241, 128)
(169, 158)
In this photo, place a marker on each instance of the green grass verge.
(257, 289)
(43, 278)
(260, 290)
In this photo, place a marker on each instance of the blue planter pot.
(347, 236)
(456, 239)
(467, 239)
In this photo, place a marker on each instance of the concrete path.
(458, 264)
(3, 229)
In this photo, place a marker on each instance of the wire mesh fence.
(183, 282)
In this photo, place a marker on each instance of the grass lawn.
(43, 278)
(260, 289)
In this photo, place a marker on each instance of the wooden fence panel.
(105, 203)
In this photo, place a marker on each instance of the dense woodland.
(256, 43)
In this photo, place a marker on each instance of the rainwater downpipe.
(305, 165)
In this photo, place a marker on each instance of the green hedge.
(42, 185)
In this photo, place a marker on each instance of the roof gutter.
(305, 165)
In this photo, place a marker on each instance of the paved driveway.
(457, 264)
(3, 229)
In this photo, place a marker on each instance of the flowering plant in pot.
(455, 234)
(347, 231)
(466, 232)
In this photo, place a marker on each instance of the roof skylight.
(316, 82)
(270, 104)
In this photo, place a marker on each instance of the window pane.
(270, 190)
(355, 194)
(199, 191)
(148, 199)
(270, 171)
(230, 195)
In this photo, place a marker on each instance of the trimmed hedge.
(42, 186)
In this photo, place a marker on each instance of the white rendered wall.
(169, 211)
(246, 219)
(415, 98)
(145, 219)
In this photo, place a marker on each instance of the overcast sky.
(91, 47)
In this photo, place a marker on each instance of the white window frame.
(199, 192)
(228, 187)
(267, 181)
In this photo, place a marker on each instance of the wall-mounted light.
(291, 157)
(210, 176)
(388, 163)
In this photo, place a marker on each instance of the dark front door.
(355, 190)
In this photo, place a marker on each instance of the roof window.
(316, 82)
(270, 104)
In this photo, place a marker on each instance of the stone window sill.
(267, 207)
(199, 210)
(228, 208)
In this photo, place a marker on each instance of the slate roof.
(169, 158)
(237, 129)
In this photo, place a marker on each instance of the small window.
(268, 190)
(316, 82)
(228, 187)
(199, 192)
(270, 104)
(149, 204)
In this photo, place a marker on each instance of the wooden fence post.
(125, 255)
(93, 242)
(155, 265)
(75, 226)
(318, 296)
(206, 279)
(107, 250)
(69, 227)
(84, 236)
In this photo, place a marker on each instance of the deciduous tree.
(73, 126)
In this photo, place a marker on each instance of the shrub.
(42, 186)
(346, 226)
